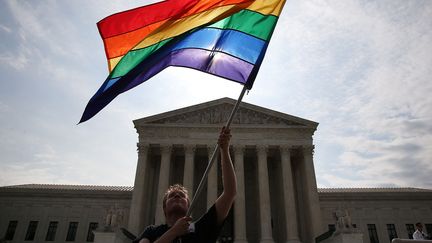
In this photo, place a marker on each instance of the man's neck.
(171, 219)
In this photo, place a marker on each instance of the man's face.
(177, 202)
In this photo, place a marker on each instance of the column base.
(240, 241)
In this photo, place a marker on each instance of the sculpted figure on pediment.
(219, 114)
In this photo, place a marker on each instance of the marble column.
(212, 179)
(188, 176)
(289, 196)
(312, 193)
(138, 203)
(163, 182)
(264, 196)
(239, 203)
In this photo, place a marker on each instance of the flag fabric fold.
(226, 38)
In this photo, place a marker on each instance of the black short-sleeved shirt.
(206, 230)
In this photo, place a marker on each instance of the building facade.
(59, 213)
(277, 201)
(381, 214)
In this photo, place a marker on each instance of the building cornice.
(125, 192)
(368, 194)
(68, 191)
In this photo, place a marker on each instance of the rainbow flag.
(226, 38)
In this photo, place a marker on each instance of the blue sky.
(362, 69)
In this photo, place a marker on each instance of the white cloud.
(18, 61)
(5, 28)
(42, 23)
(55, 164)
(4, 107)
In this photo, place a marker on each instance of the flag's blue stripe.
(232, 42)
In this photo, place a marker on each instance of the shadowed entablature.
(200, 124)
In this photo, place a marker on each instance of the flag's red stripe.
(138, 18)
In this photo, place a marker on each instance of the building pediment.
(218, 112)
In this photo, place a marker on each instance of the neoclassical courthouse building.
(278, 199)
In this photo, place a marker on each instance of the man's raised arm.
(225, 200)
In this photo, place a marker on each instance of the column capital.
(142, 148)
(308, 149)
(189, 148)
(285, 148)
(262, 148)
(238, 148)
(166, 148)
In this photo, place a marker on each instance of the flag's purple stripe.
(213, 62)
(217, 63)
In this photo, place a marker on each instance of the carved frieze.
(219, 114)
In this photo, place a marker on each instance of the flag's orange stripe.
(121, 44)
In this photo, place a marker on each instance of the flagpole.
(216, 150)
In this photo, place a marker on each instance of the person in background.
(419, 234)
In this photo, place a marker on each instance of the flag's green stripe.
(246, 21)
(133, 58)
(249, 22)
